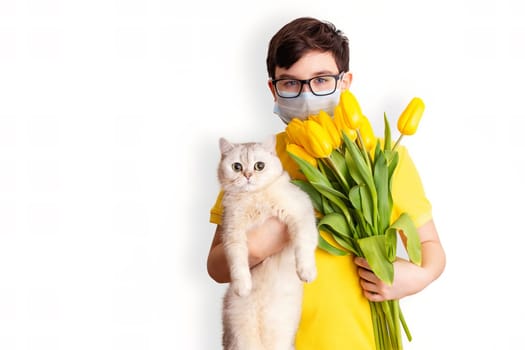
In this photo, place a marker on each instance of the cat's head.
(250, 166)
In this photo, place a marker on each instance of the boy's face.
(312, 64)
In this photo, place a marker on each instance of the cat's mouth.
(250, 184)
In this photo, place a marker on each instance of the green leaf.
(314, 195)
(312, 173)
(355, 197)
(337, 161)
(392, 158)
(366, 174)
(327, 189)
(347, 244)
(327, 247)
(367, 205)
(321, 184)
(374, 250)
(352, 169)
(363, 228)
(327, 207)
(384, 199)
(405, 224)
(388, 135)
(335, 197)
(365, 201)
(327, 171)
(336, 222)
(377, 150)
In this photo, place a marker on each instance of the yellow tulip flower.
(295, 132)
(409, 120)
(314, 117)
(351, 109)
(320, 144)
(300, 152)
(328, 124)
(367, 134)
(341, 126)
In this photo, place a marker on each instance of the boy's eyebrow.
(315, 74)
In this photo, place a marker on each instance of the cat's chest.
(254, 205)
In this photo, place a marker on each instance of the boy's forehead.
(313, 63)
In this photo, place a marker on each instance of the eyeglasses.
(320, 86)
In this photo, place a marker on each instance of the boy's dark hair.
(304, 34)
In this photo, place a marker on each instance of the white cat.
(262, 306)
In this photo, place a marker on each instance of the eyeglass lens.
(323, 85)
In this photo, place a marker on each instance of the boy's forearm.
(263, 240)
(218, 266)
(433, 260)
(432, 253)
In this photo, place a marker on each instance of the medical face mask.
(305, 105)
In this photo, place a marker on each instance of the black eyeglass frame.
(337, 77)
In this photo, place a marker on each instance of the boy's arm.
(408, 277)
(263, 241)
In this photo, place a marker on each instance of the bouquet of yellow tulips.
(348, 174)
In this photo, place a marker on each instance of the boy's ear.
(346, 81)
(272, 89)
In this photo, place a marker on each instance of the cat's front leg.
(236, 250)
(242, 283)
(305, 263)
(304, 236)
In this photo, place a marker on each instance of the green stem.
(397, 331)
(381, 328)
(397, 142)
(405, 326)
(376, 325)
(387, 331)
(390, 323)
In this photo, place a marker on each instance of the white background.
(110, 112)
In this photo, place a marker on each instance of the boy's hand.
(407, 278)
(267, 239)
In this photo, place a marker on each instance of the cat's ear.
(225, 145)
(269, 144)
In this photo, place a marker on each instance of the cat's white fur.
(262, 305)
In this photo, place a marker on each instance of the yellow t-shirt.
(335, 313)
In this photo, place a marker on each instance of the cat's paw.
(242, 287)
(307, 273)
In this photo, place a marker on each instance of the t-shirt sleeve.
(408, 193)
(216, 210)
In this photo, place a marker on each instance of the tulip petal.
(351, 109)
(409, 120)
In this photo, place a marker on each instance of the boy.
(308, 66)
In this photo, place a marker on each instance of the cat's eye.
(259, 166)
(237, 167)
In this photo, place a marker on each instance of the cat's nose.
(248, 174)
